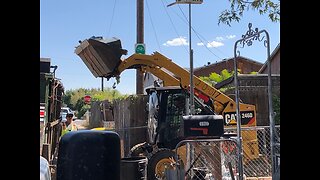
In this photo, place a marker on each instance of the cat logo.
(232, 122)
(230, 119)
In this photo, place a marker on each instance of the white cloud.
(219, 38)
(200, 44)
(214, 44)
(230, 36)
(180, 41)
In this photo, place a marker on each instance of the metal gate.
(218, 158)
(207, 159)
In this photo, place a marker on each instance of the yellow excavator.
(167, 123)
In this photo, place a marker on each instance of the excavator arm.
(174, 75)
(102, 57)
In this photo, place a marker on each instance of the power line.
(114, 6)
(197, 34)
(165, 8)
(185, 20)
(155, 33)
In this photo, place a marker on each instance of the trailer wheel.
(159, 162)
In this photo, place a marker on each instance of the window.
(153, 116)
(176, 108)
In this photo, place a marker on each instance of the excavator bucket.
(101, 56)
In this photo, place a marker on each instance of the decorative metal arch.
(247, 39)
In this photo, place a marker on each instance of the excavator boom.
(103, 59)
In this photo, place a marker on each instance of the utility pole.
(189, 2)
(140, 39)
(191, 67)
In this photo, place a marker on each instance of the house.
(246, 66)
(253, 87)
(275, 62)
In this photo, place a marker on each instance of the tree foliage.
(75, 98)
(215, 78)
(238, 7)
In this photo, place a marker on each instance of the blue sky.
(63, 23)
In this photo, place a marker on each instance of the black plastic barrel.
(89, 154)
(133, 168)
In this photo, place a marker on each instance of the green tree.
(215, 78)
(74, 98)
(238, 7)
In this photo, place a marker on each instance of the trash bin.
(89, 154)
(133, 168)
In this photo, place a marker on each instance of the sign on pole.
(140, 48)
(87, 99)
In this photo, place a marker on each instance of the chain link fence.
(218, 159)
(261, 165)
(208, 159)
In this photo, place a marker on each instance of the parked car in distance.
(67, 110)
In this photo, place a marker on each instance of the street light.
(191, 105)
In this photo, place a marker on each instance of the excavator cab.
(166, 107)
(167, 111)
(169, 123)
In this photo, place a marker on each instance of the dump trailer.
(51, 92)
(168, 123)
